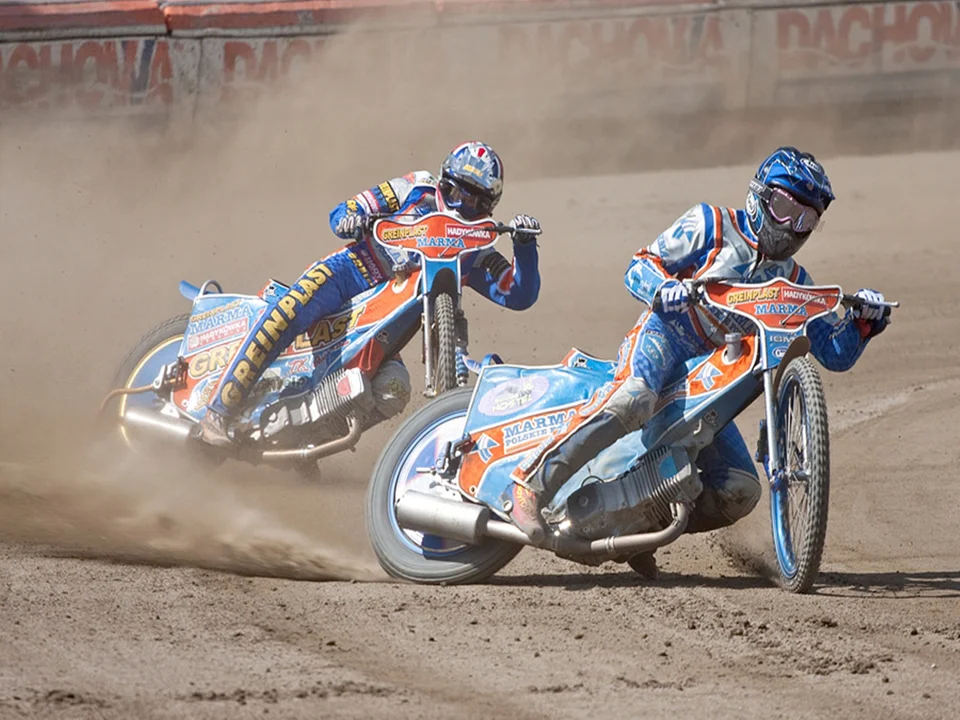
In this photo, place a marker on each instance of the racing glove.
(674, 297)
(353, 226)
(869, 314)
(525, 229)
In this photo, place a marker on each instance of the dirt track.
(102, 615)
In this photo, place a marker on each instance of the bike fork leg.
(773, 457)
(427, 346)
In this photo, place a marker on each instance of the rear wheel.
(800, 497)
(139, 368)
(444, 344)
(416, 556)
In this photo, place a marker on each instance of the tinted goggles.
(784, 208)
(470, 203)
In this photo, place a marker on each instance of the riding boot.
(213, 429)
(629, 407)
(557, 467)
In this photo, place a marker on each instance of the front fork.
(767, 451)
(460, 323)
(428, 346)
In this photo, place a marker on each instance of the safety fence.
(147, 58)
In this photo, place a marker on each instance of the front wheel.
(416, 556)
(800, 496)
(444, 344)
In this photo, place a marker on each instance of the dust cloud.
(99, 221)
(166, 514)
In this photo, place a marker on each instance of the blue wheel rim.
(423, 452)
(781, 501)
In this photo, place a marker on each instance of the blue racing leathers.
(710, 242)
(328, 284)
(706, 242)
(513, 285)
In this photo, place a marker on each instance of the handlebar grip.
(853, 301)
(502, 229)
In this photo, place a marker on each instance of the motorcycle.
(314, 399)
(439, 501)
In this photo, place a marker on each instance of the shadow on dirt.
(890, 585)
(583, 581)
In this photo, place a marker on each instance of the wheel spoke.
(796, 487)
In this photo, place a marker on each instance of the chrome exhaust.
(434, 515)
(154, 422)
(178, 429)
(354, 430)
(471, 523)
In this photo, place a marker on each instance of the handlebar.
(852, 301)
(696, 295)
(499, 228)
(693, 290)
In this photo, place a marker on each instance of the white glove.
(674, 297)
(872, 307)
(352, 226)
(525, 228)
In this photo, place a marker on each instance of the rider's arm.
(386, 198)
(516, 285)
(685, 248)
(836, 342)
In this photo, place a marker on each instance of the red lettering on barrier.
(886, 37)
(684, 45)
(249, 65)
(91, 78)
(87, 74)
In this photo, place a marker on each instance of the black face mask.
(778, 241)
(470, 203)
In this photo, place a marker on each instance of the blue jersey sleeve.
(835, 341)
(682, 248)
(515, 285)
(387, 198)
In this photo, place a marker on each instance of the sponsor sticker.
(510, 396)
(524, 433)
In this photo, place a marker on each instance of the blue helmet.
(787, 197)
(471, 180)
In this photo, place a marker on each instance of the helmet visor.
(784, 208)
(470, 202)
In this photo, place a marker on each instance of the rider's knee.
(391, 388)
(632, 403)
(739, 495)
(722, 506)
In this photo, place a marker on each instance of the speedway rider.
(470, 185)
(785, 202)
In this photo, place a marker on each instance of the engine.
(638, 500)
(320, 414)
(325, 407)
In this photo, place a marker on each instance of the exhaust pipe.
(354, 430)
(471, 523)
(434, 515)
(154, 422)
(177, 429)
